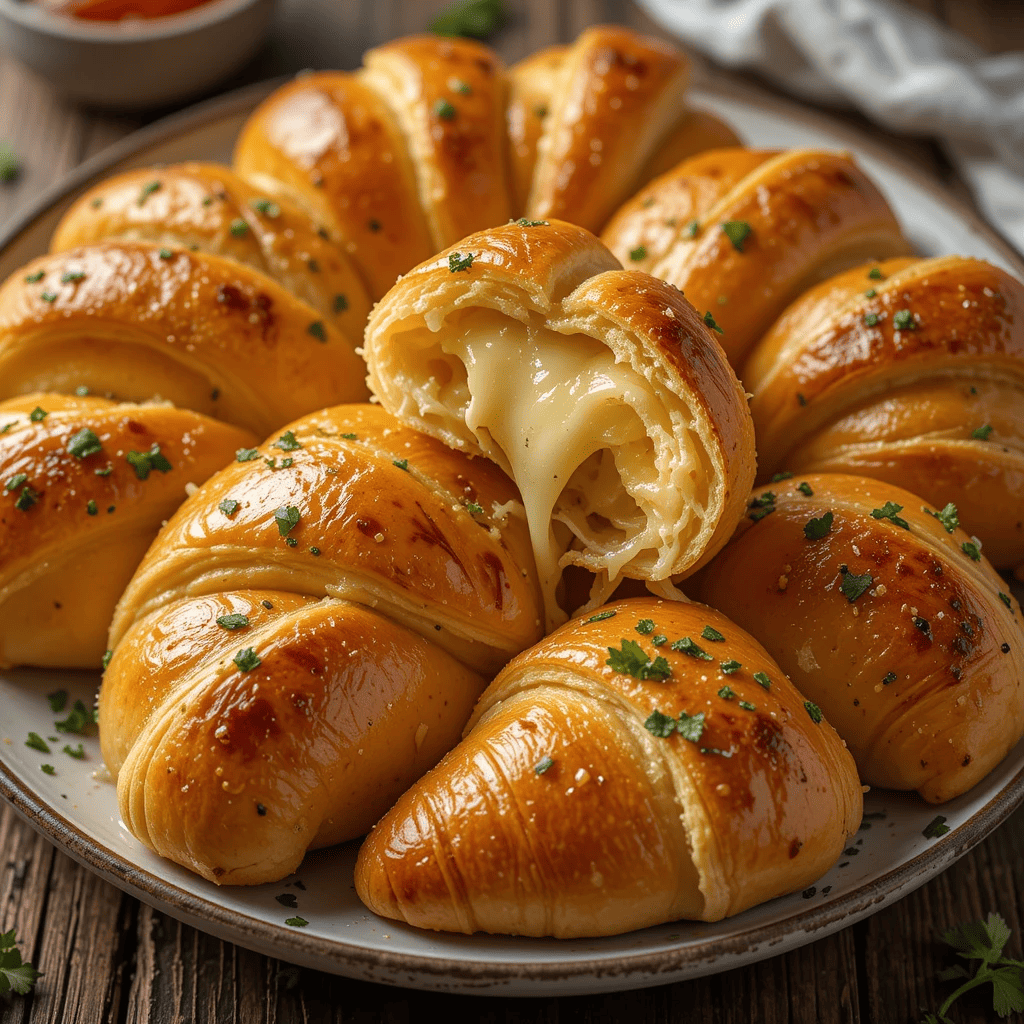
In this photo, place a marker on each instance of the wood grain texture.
(108, 958)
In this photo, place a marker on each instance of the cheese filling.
(604, 477)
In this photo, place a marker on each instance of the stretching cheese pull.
(598, 390)
(608, 782)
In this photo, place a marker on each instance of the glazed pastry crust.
(633, 379)
(207, 208)
(399, 581)
(199, 330)
(934, 407)
(74, 527)
(619, 829)
(810, 214)
(922, 674)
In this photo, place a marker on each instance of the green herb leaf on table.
(15, 975)
(477, 19)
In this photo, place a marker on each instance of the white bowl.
(134, 64)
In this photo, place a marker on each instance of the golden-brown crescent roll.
(743, 232)
(886, 615)
(135, 320)
(910, 371)
(598, 390)
(207, 208)
(434, 139)
(615, 98)
(307, 636)
(86, 485)
(645, 764)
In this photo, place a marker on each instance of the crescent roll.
(86, 485)
(307, 636)
(207, 208)
(909, 371)
(136, 320)
(888, 617)
(743, 232)
(598, 390)
(645, 764)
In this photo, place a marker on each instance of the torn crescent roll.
(599, 390)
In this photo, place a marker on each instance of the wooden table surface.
(106, 957)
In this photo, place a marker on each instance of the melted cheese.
(587, 440)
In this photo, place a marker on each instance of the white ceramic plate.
(77, 809)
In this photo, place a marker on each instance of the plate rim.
(639, 968)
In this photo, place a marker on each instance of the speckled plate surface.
(77, 808)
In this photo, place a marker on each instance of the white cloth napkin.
(899, 67)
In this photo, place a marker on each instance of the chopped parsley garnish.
(659, 640)
(144, 462)
(777, 478)
(314, 266)
(981, 433)
(761, 506)
(691, 229)
(639, 253)
(34, 278)
(815, 529)
(350, 437)
(871, 319)
(58, 701)
(761, 678)
(458, 85)
(147, 191)
(340, 303)
(49, 296)
(315, 552)
(267, 207)
(78, 753)
(936, 827)
(71, 276)
(401, 464)
(853, 586)
(16, 481)
(26, 499)
(78, 718)
(287, 518)
(870, 293)
(233, 620)
(83, 444)
(711, 322)
(238, 227)
(690, 727)
(970, 549)
(474, 509)
(601, 616)
(633, 661)
(316, 330)
(660, 725)
(247, 454)
(91, 507)
(712, 634)
(924, 625)
(48, 769)
(165, 254)
(229, 507)
(876, 274)
(728, 667)
(444, 110)
(737, 232)
(805, 488)
(296, 922)
(889, 677)
(888, 511)
(1005, 598)
(287, 443)
(37, 415)
(247, 659)
(814, 711)
(727, 693)
(903, 320)
(475, 18)
(544, 764)
(105, 660)
(948, 517)
(686, 646)
(459, 261)
(525, 222)
(645, 627)
(747, 706)
(36, 742)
